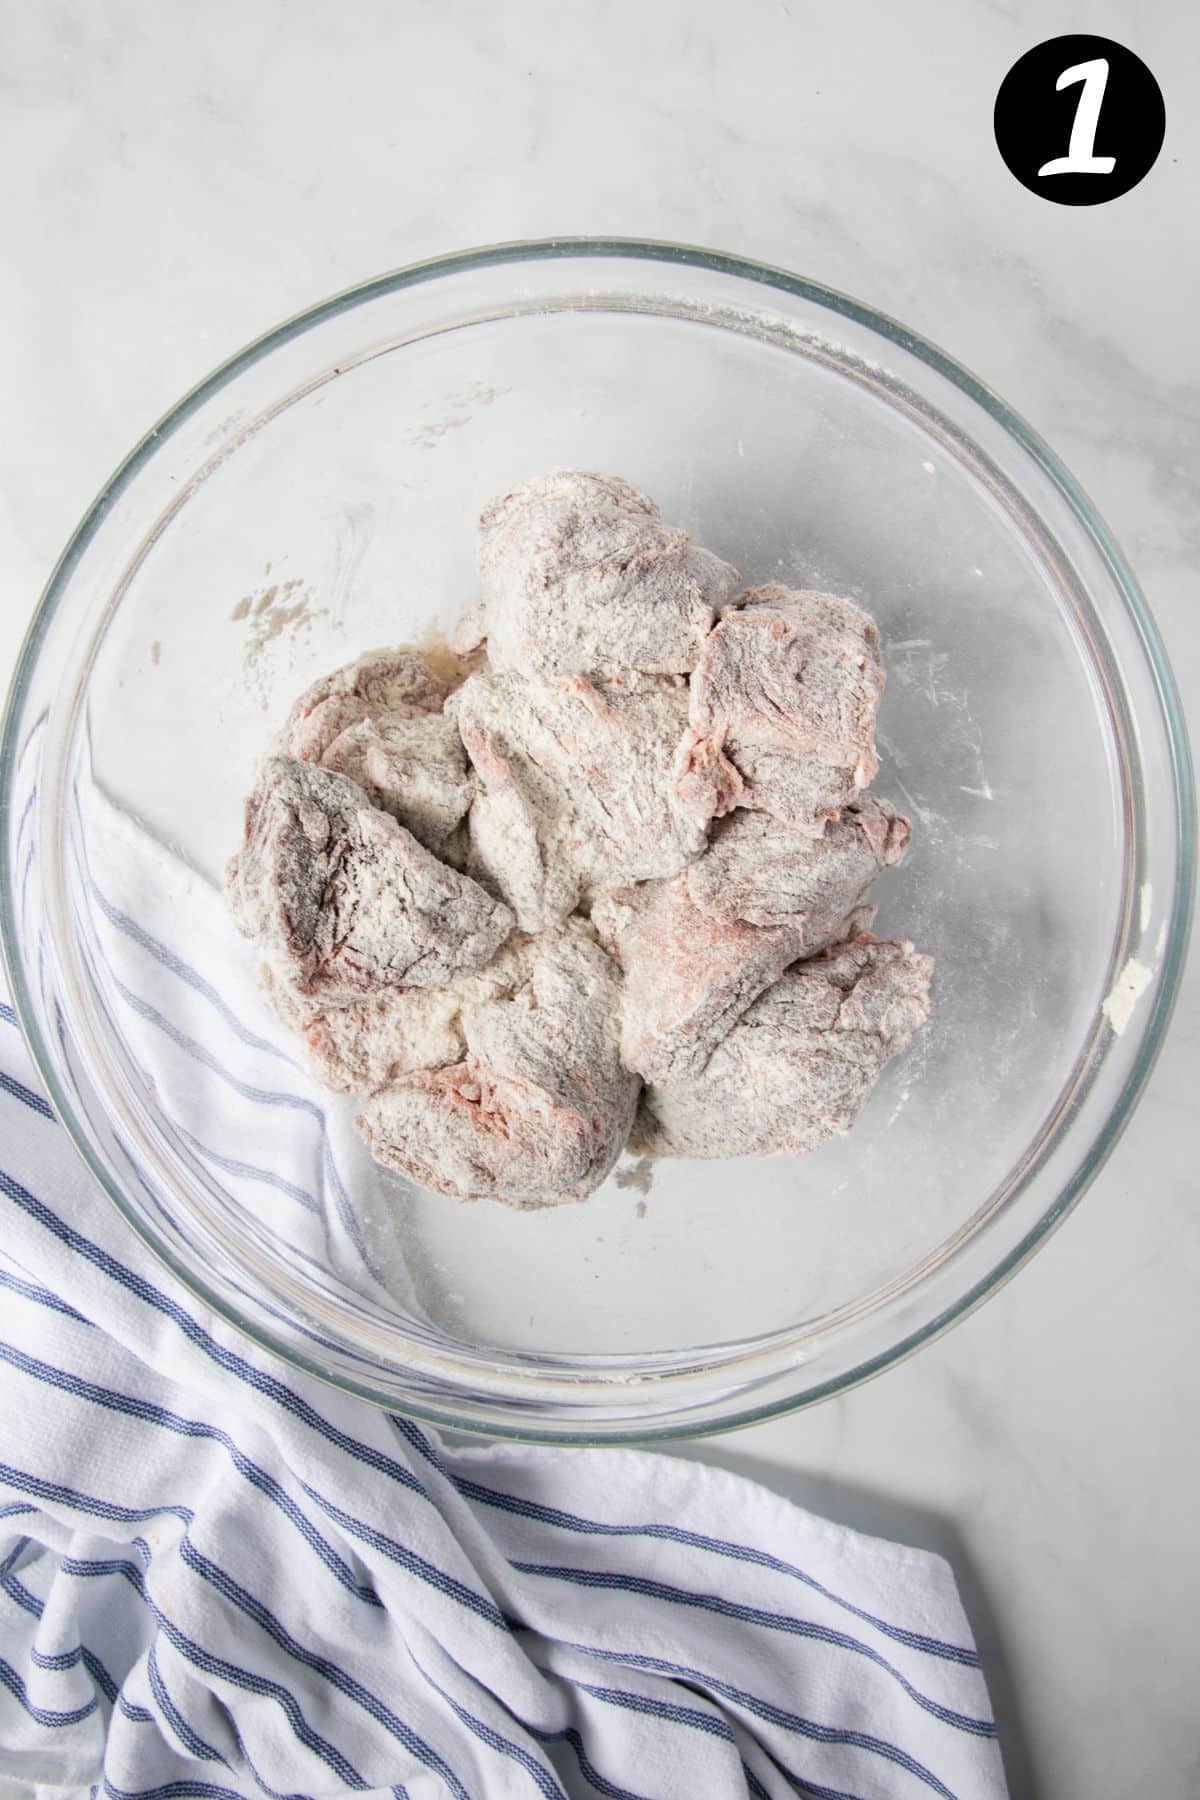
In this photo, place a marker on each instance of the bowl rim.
(1170, 967)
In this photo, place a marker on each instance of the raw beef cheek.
(764, 873)
(798, 1066)
(360, 1046)
(576, 790)
(783, 706)
(539, 1109)
(581, 576)
(688, 976)
(379, 721)
(342, 900)
(697, 950)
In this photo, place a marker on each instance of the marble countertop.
(175, 180)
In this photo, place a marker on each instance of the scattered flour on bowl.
(430, 435)
(639, 1177)
(283, 607)
(276, 615)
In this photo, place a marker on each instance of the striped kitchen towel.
(220, 1578)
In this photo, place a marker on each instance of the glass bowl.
(315, 498)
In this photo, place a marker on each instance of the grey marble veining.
(173, 181)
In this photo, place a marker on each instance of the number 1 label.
(1081, 158)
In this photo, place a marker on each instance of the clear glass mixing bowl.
(316, 497)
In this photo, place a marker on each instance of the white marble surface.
(175, 179)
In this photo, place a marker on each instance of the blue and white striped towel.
(219, 1578)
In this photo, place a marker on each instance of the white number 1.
(1081, 158)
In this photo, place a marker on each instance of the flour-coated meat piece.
(783, 706)
(581, 576)
(688, 975)
(414, 768)
(763, 873)
(342, 900)
(379, 721)
(525, 840)
(575, 785)
(539, 1108)
(363, 1045)
(799, 1064)
(380, 684)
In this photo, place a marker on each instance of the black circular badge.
(1079, 120)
